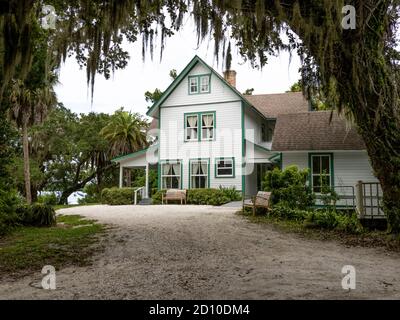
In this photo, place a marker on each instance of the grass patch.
(71, 242)
(380, 239)
(66, 206)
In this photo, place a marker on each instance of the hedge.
(117, 196)
(214, 197)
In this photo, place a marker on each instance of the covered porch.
(145, 159)
(259, 160)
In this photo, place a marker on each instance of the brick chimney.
(230, 77)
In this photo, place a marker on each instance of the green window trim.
(331, 168)
(186, 115)
(190, 170)
(198, 78)
(233, 175)
(200, 125)
(170, 161)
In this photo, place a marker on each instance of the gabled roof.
(315, 131)
(268, 106)
(272, 105)
(152, 112)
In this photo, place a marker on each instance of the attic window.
(205, 84)
(193, 85)
(199, 84)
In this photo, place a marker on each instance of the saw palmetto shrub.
(9, 201)
(36, 215)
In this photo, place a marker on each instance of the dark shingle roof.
(272, 105)
(314, 131)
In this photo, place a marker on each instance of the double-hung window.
(171, 175)
(205, 84)
(199, 84)
(199, 174)
(225, 168)
(207, 126)
(192, 127)
(193, 85)
(321, 171)
(200, 126)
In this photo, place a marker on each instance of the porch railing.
(346, 197)
(369, 200)
(138, 191)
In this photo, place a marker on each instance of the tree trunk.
(81, 184)
(386, 165)
(367, 83)
(27, 173)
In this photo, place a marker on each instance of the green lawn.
(65, 206)
(27, 249)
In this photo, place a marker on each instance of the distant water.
(72, 199)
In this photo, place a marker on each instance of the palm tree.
(29, 107)
(126, 133)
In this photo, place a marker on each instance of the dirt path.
(189, 252)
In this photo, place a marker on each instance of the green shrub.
(117, 196)
(9, 201)
(213, 197)
(157, 196)
(289, 188)
(329, 197)
(36, 215)
(285, 213)
(48, 199)
(325, 219)
(92, 194)
(231, 193)
(349, 223)
(332, 220)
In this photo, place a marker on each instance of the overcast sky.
(127, 87)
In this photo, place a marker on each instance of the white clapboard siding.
(220, 92)
(251, 179)
(252, 124)
(349, 167)
(227, 143)
(299, 159)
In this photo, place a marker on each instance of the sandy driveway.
(192, 252)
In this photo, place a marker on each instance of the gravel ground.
(200, 252)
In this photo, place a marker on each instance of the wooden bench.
(174, 195)
(261, 200)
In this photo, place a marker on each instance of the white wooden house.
(208, 135)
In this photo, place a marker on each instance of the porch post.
(146, 188)
(121, 175)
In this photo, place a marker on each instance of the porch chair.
(261, 200)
